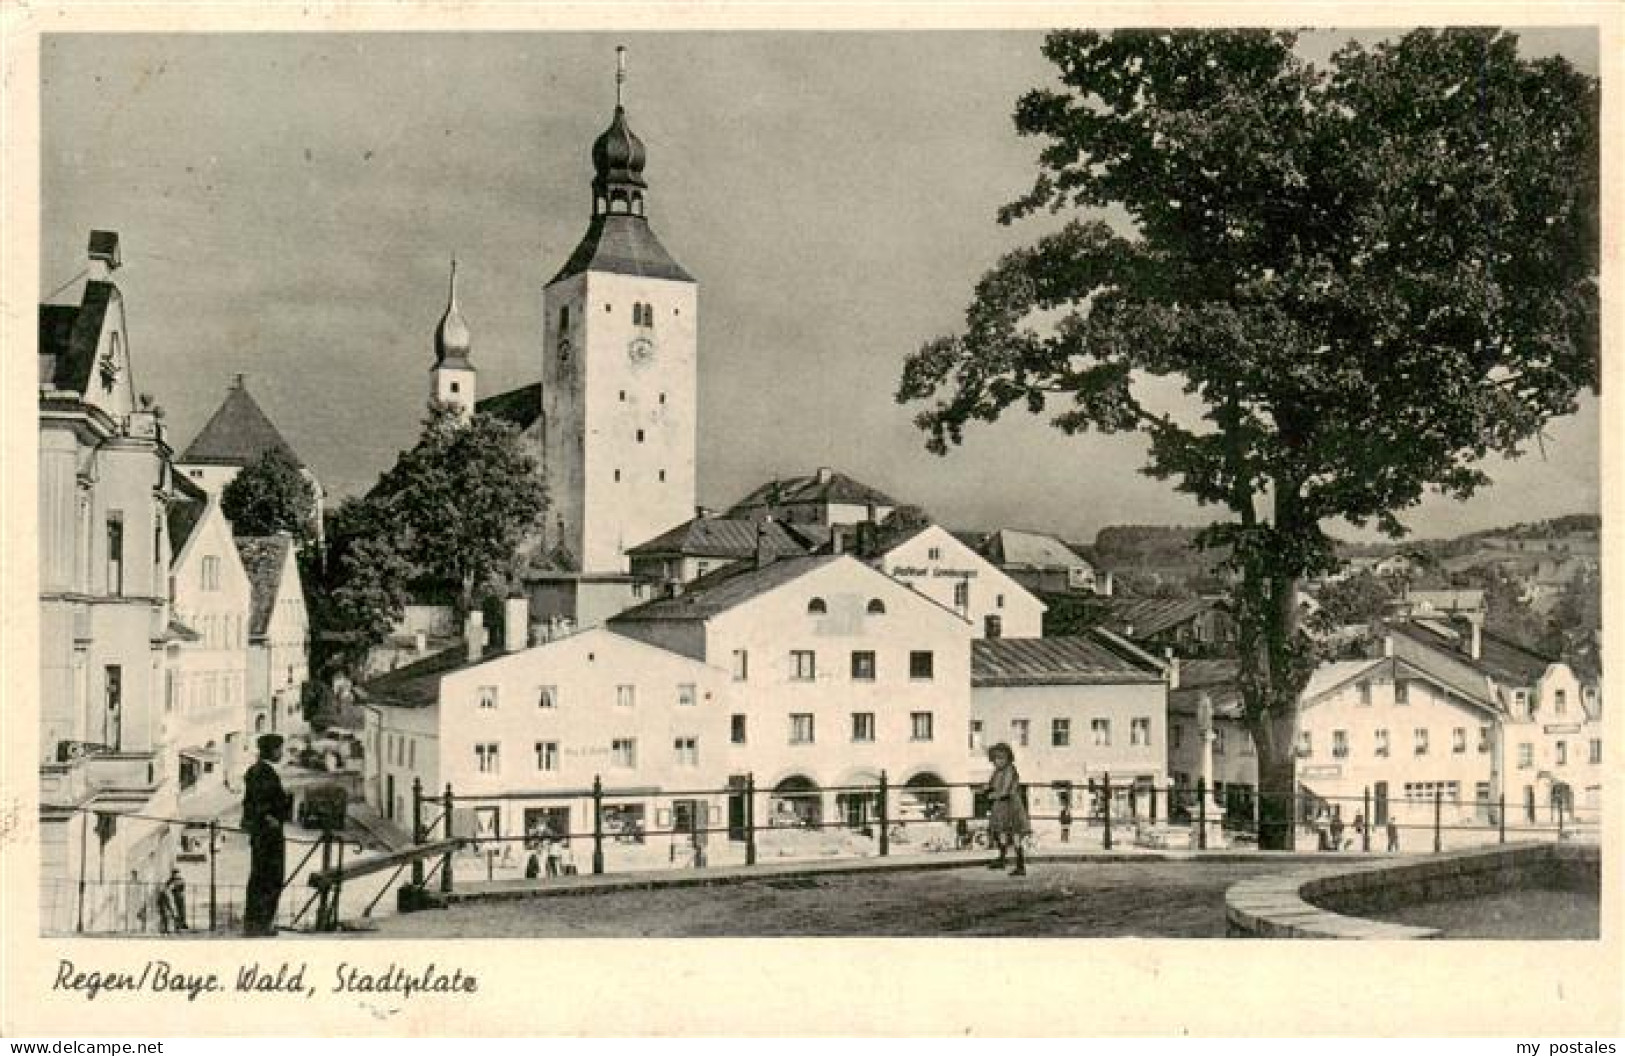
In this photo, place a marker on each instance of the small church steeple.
(452, 378)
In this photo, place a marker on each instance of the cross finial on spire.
(453, 292)
(620, 71)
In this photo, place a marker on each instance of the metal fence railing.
(213, 897)
(601, 829)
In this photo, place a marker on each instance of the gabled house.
(1552, 742)
(212, 598)
(104, 479)
(931, 560)
(823, 498)
(1043, 564)
(708, 542)
(1191, 627)
(278, 635)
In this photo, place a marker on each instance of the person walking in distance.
(265, 808)
(1007, 822)
(1393, 835)
(177, 898)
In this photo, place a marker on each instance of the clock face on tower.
(640, 350)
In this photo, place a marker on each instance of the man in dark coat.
(265, 808)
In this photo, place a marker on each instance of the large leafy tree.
(269, 495)
(464, 501)
(1362, 279)
(454, 511)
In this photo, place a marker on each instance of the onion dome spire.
(451, 338)
(618, 157)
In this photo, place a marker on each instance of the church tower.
(619, 371)
(451, 379)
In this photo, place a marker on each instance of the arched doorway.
(797, 800)
(925, 796)
(859, 801)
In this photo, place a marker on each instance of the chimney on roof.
(838, 538)
(704, 513)
(866, 542)
(515, 624)
(239, 380)
(764, 546)
(1105, 585)
(674, 588)
(474, 635)
(1172, 667)
(104, 255)
(824, 474)
(1476, 641)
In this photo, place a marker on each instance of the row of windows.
(804, 730)
(1176, 740)
(1560, 753)
(1421, 740)
(643, 314)
(804, 665)
(819, 607)
(623, 753)
(661, 475)
(626, 696)
(401, 751)
(1402, 696)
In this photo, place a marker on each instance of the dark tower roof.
(618, 155)
(238, 434)
(619, 238)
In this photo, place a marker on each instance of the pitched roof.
(1501, 658)
(183, 515)
(729, 586)
(522, 406)
(416, 685)
(69, 335)
(624, 245)
(238, 434)
(1199, 673)
(818, 489)
(1149, 617)
(1013, 548)
(264, 557)
(1215, 679)
(720, 537)
(1070, 661)
(1328, 677)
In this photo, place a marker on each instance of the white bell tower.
(619, 371)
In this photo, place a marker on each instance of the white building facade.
(1075, 712)
(212, 599)
(838, 673)
(522, 736)
(105, 766)
(939, 566)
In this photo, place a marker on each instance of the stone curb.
(1280, 906)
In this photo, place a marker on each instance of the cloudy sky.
(288, 204)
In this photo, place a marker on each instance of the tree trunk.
(1277, 786)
